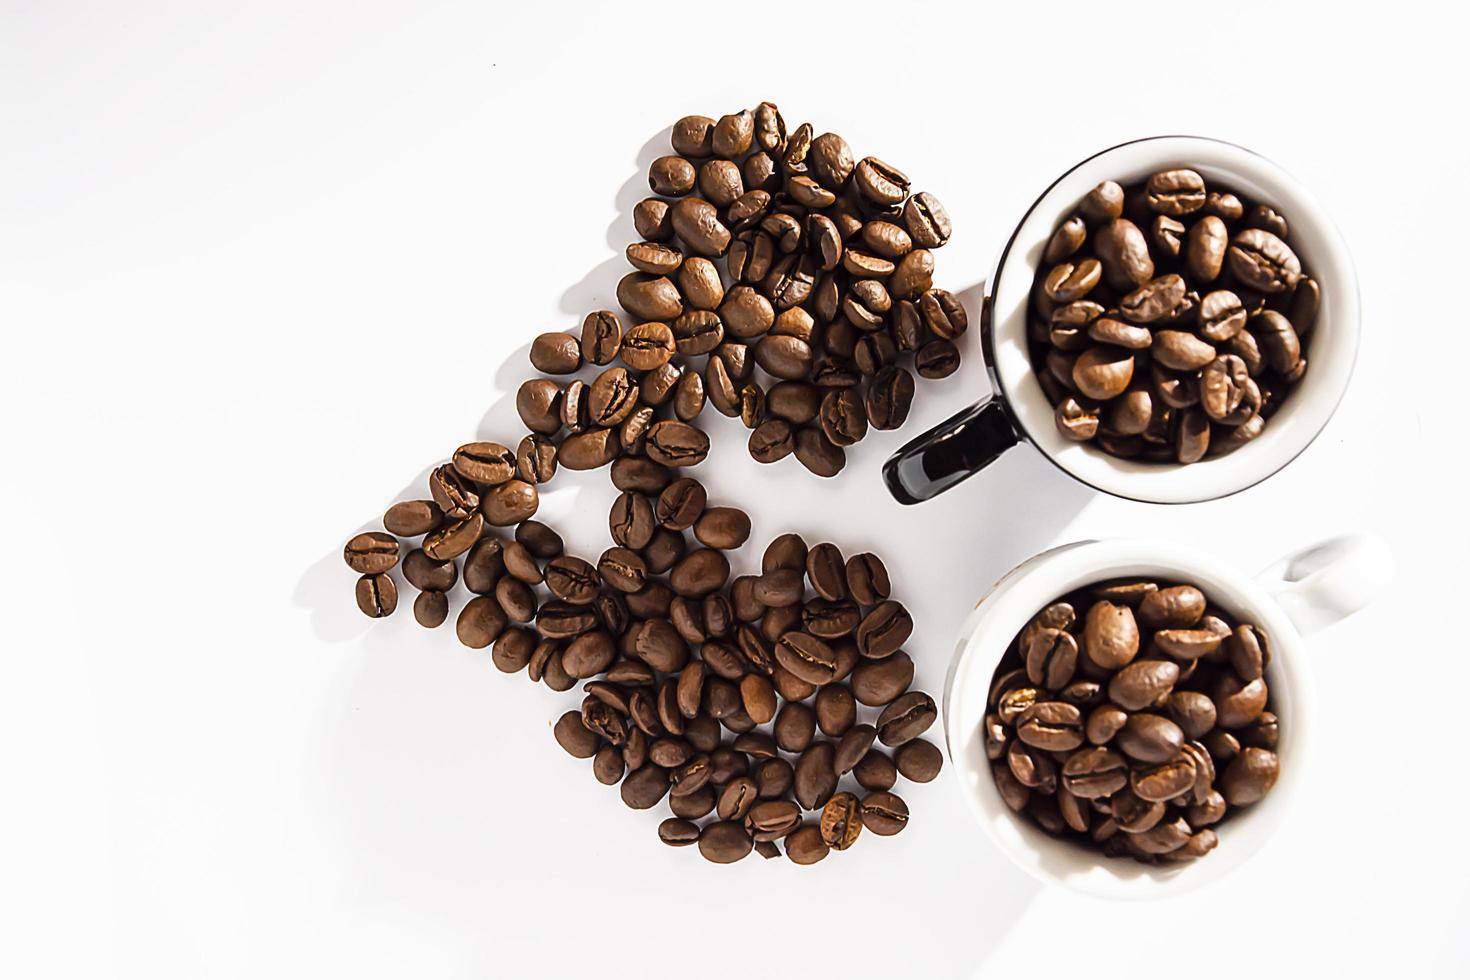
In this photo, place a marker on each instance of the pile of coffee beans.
(1169, 319)
(801, 277)
(704, 689)
(741, 701)
(1132, 716)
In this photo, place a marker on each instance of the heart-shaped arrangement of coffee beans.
(800, 275)
(1133, 716)
(1170, 319)
(750, 699)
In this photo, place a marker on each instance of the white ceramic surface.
(1296, 595)
(1330, 353)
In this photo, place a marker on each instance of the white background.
(262, 263)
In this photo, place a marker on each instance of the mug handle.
(955, 449)
(1330, 580)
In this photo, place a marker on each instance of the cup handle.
(1329, 580)
(951, 451)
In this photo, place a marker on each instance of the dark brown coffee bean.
(884, 813)
(854, 744)
(371, 553)
(674, 443)
(918, 760)
(867, 579)
(538, 402)
(1143, 683)
(559, 353)
(725, 528)
(699, 573)
(455, 494)
(651, 221)
(836, 711)
(680, 504)
(875, 772)
(536, 458)
(772, 440)
(926, 220)
(650, 298)
(1176, 192)
(453, 540)
(410, 518)
(510, 503)
(427, 574)
(816, 779)
(480, 622)
(843, 417)
(937, 359)
(1261, 261)
(1150, 738)
(693, 136)
(377, 595)
(878, 682)
(430, 609)
(807, 657)
(674, 831)
(643, 788)
(574, 737)
(910, 715)
(671, 176)
(698, 226)
(516, 598)
(1123, 251)
(884, 629)
(805, 845)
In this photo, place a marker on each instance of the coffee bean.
(842, 415)
(884, 629)
(875, 772)
(807, 657)
(651, 221)
(371, 553)
(428, 574)
(884, 813)
(430, 609)
(918, 760)
(937, 359)
(558, 353)
(878, 682)
(1176, 192)
(480, 622)
(674, 443)
(725, 528)
(410, 518)
(377, 595)
(816, 779)
(680, 504)
(805, 845)
(699, 573)
(453, 540)
(539, 404)
(650, 298)
(906, 718)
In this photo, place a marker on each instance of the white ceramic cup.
(1018, 410)
(1293, 597)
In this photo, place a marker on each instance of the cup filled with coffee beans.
(1174, 320)
(1131, 718)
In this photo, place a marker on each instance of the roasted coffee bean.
(410, 518)
(700, 572)
(937, 359)
(841, 821)
(560, 353)
(539, 404)
(536, 458)
(674, 443)
(427, 574)
(430, 609)
(377, 595)
(509, 503)
(1143, 683)
(453, 540)
(908, 717)
(807, 657)
(836, 710)
(480, 622)
(371, 553)
(927, 222)
(772, 440)
(671, 175)
(725, 528)
(1150, 738)
(806, 846)
(650, 298)
(680, 504)
(918, 760)
(884, 629)
(867, 579)
(878, 682)
(651, 221)
(815, 779)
